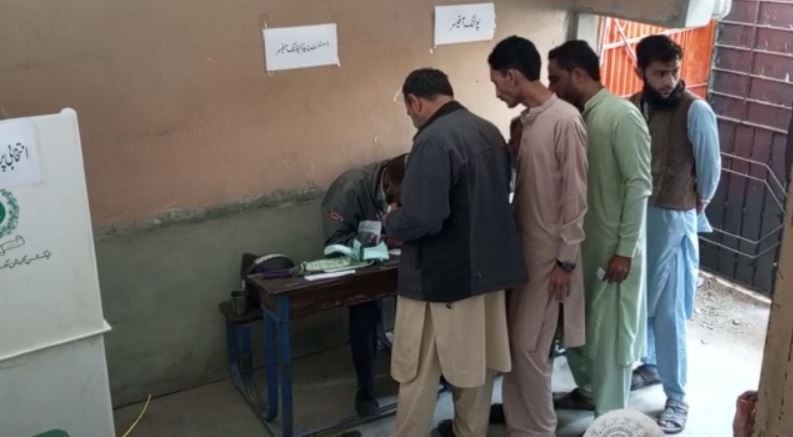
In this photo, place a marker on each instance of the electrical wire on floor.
(140, 416)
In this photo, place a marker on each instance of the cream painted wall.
(176, 109)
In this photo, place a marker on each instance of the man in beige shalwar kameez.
(460, 252)
(550, 205)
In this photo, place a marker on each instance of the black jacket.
(459, 234)
(353, 197)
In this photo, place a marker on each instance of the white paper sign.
(465, 23)
(19, 159)
(288, 48)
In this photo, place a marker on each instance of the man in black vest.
(686, 165)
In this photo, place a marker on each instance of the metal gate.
(751, 91)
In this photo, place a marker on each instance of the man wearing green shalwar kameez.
(619, 184)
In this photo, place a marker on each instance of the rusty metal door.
(752, 93)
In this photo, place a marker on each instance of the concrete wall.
(178, 114)
(774, 416)
(161, 287)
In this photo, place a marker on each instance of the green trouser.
(607, 383)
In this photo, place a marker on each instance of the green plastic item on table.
(342, 258)
(375, 253)
(333, 265)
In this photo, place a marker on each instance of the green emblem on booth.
(9, 213)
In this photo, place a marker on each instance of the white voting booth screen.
(50, 307)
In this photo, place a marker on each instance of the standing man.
(613, 252)
(358, 195)
(460, 252)
(686, 170)
(550, 204)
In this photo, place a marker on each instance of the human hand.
(392, 207)
(701, 205)
(744, 414)
(393, 243)
(559, 283)
(618, 269)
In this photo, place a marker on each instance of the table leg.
(245, 365)
(231, 346)
(285, 364)
(271, 364)
(240, 360)
(245, 357)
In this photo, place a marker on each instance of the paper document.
(19, 159)
(320, 276)
(601, 273)
(465, 23)
(288, 48)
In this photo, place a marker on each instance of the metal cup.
(239, 302)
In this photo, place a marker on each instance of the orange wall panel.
(619, 45)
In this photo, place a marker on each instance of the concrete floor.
(725, 348)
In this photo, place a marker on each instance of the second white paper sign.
(465, 23)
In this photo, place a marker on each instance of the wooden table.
(283, 300)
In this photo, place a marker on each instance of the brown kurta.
(550, 205)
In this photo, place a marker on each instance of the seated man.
(362, 194)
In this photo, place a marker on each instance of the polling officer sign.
(19, 161)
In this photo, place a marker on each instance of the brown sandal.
(644, 376)
(674, 417)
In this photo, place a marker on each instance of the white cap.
(624, 423)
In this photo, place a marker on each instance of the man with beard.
(619, 184)
(686, 169)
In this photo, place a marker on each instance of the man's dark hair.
(516, 53)
(393, 174)
(657, 48)
(577, 54)
(515, 123)
(427, 83)
(396, 169)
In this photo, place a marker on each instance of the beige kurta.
(470, 336)
(550, 205)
